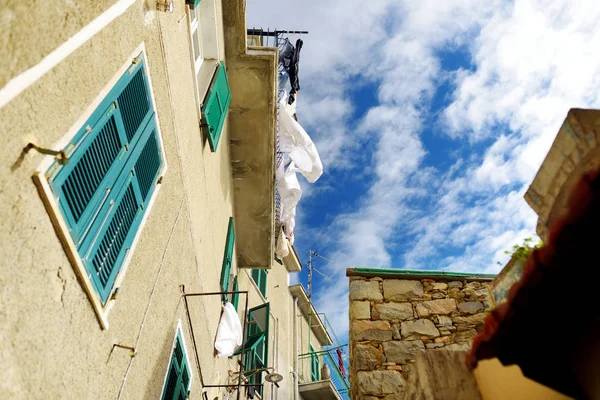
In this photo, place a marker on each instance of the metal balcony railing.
(310, 370)
(329, 356)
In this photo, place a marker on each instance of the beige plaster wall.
(52, 345)
(54, 22)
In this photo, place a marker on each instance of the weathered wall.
(52, 344)
(574, 151)
(392, 320)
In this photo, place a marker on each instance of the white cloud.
(531, 61)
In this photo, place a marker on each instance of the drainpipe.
(295, 372)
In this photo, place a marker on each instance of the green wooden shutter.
(227, 258)
(257, 329)
(256, 346)
(314, 364)
(177, 384)
(99, 151)
(214, 109)
(235, 298)
(114, 230)
(193, 3)
(114, 161)
(263, 282)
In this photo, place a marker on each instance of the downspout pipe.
(295, 372)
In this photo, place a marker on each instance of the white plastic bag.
(229, 333)
(282, 247)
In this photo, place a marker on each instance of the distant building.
(139, 164)
(396, 314)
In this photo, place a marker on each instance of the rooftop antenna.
(311, 268)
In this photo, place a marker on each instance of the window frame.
(261, 280)
(207, 30)
(256, 339)
(186, 359)
(41, 179)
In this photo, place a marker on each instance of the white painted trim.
(27, 78)
(52, 205)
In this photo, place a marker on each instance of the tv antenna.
(311, 268)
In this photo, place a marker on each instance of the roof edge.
(416, 274)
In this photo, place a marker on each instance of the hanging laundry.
(341, 362)
(286, 53)
(294, 141)
(293, 70)
(282, 79)
(289, 225)
(229, 333)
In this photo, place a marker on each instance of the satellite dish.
(273, 377)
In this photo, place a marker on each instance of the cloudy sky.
(431, 118)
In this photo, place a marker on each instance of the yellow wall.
(497, 382)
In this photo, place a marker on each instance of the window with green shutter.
(235, 298)
(179, 376)
(314, 364)
(256, 347)
(215, 106)
(260, 278)
(193, 3)
(227, 258)
(115, 161)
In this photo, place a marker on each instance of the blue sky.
(431, 119)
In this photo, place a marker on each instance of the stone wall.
(393, 319)
(574, 151)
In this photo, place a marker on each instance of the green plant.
(523, 251)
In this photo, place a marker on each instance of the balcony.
(314, 384)
(252, 120)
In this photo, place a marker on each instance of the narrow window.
(256, 344)
(227, 259)
(179, 376)
(259, 276)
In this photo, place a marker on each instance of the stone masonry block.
(371, 330)
(401, 290)
(436, 307)
(366, 357)
(365, 290)
(402, 352)
(420, 327)
(391, 311)
(380, 383)
(360, 310)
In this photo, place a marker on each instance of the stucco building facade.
(138, 166)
